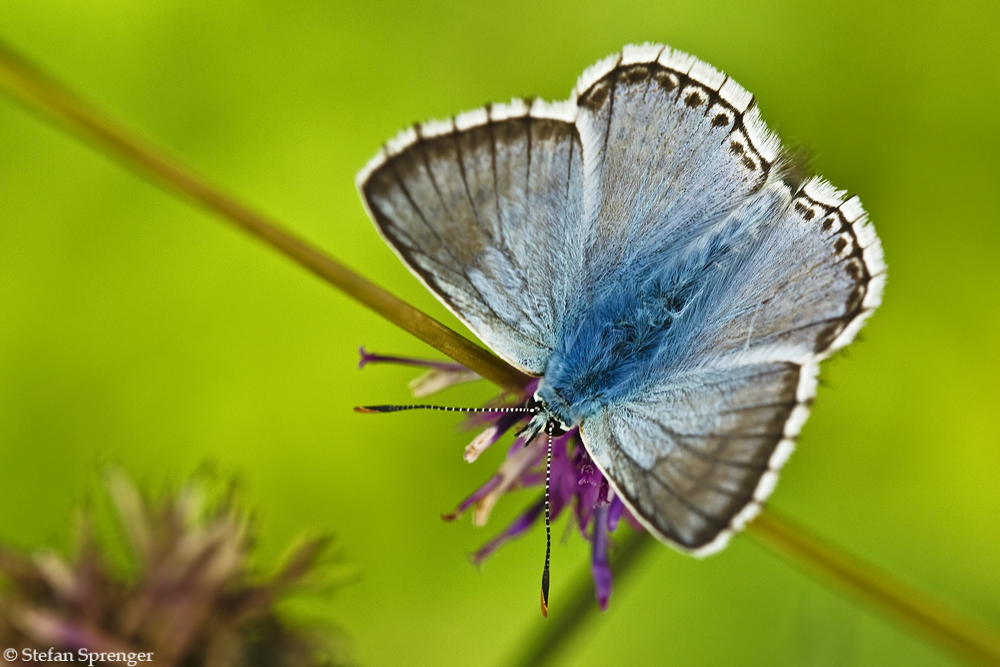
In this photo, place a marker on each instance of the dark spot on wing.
(693, 99)
(854, 269)
(827, 336)
(839, 245)
(594, 97)
(854, 300)
(748, 163)
(720, 120)
(807, 212)
(666, 80)
(635, 74)
(736, 148)
(828, 224)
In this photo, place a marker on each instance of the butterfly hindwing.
(486, 210)
(693, 460)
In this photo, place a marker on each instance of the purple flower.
(439, 376)
(575, 482)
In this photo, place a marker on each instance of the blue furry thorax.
(609, 352)
(625, 334)
(641, 311)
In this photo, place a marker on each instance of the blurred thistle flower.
(575, 483)
(191, 599)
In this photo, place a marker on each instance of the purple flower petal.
(602, 493)
(493, 433)
(518, 526)
(369, 358)
(480, 493)
(510, 472)
(589, 485)
(589, 474)
(615, 512)
(599, 566)
(436, 380)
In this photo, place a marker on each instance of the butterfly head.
(542, 419)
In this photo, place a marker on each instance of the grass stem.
(28, 85)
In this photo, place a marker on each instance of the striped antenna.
(375, 409)
(548, 526)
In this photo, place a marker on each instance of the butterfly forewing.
(487, 211)
(666, 155)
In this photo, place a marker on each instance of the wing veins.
(611, 113)
(569, 167)
(687, 503)
(496, 177)
(423, 219)
(706, 455)
(760, 406)
(700, 481)
(670, 489)
(776, 334)
(502, 247)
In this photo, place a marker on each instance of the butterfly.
(644, 249)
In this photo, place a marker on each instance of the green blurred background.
(136, 329)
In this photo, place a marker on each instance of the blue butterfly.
(640, 248)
